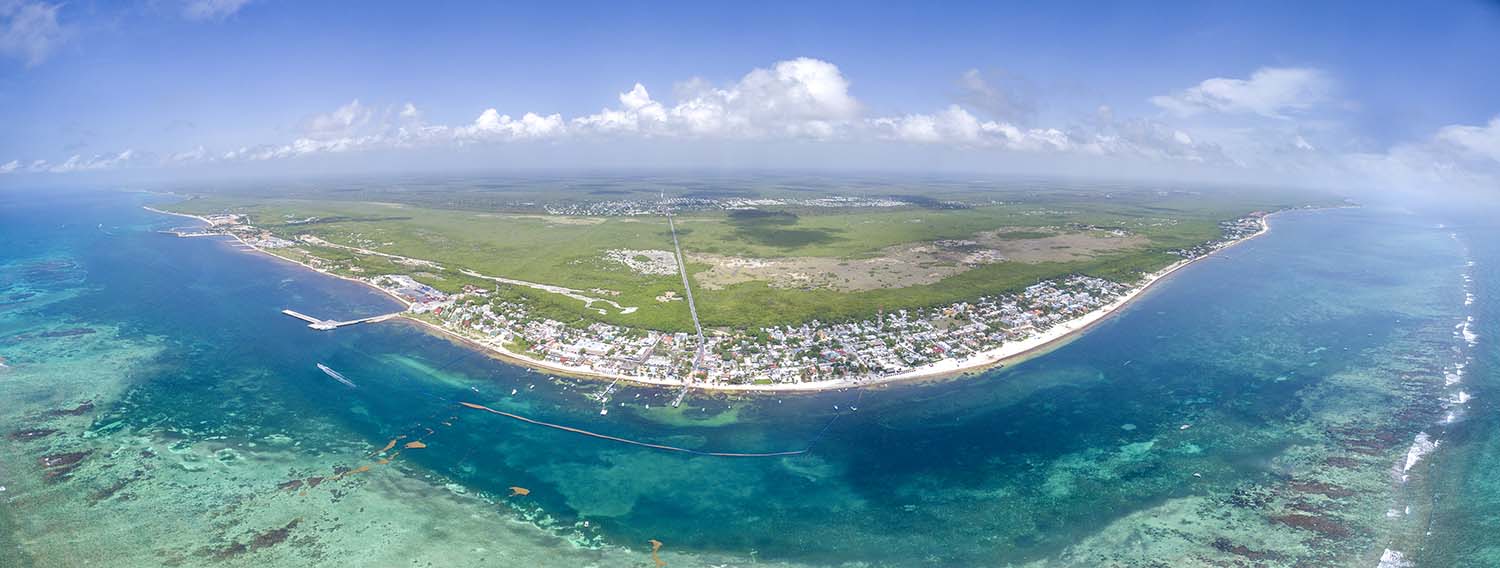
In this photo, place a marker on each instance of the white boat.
(337, 376)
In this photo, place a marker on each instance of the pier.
(328, 325)
(191, 232)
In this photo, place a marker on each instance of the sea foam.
(1420, 447)
(1466, 329)
(1392, 559)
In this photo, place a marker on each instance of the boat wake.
(337, 376)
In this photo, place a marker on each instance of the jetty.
(328, 325)
(191, 232)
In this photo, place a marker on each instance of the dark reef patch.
(79, 410)
(1321, 488)
(1321, 525)
(1222, 544)
(61, 466)
(259, 541)
(31, 434)
(114, 488)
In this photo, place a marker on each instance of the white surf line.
(1454, 405)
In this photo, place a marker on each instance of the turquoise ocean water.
(1318, 396)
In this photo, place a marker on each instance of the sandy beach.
(1008, 353)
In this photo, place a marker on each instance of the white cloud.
(1133, 138)
(951, 125)
(1456, 156)
(802, 98)
(195, 155)
(78, 163)
(1474, 141)
(29, 30)
(10, 166)
(211, 10)
(341, 122)
(491, 125)
(637, 113)
(1270, 91)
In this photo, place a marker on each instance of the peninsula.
(642, 322)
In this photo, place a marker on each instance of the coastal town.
(814, 352)
(901, 343)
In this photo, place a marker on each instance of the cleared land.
(779, 263)
(905, 265)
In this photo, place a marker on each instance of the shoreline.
(1008, 353)
(404, 304)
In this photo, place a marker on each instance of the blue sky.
(1390, 94)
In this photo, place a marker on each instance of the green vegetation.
(523, 243)
(561, 251)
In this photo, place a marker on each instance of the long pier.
(328, 325)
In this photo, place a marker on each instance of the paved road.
(692, 307)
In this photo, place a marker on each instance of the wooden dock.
(328, 325)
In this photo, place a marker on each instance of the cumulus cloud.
(1107, 137)
(637, 113)
(491, 125)
(802, 97)
(10, 166)
(953, 124)
(79, 163)
(1473, 141)
(29, 30)
(341, 122)
(1273, 92)
(211, 10)
(1456, 156)
(198, 154)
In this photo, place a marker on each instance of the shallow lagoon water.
(1256, 409)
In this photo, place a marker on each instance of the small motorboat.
(337, 376)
